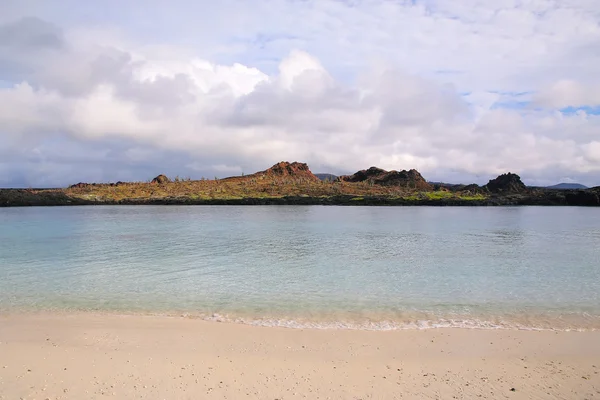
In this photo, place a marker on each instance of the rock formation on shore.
(294, 183)
(79, 185)
(589, 197)
(411, 179)
(160, 179)
(285, 169)
(506, 183)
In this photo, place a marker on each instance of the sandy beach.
(93, 356)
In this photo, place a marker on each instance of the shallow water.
(350, 267)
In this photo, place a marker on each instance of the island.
(294, 183)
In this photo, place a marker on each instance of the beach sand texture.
(96, 356)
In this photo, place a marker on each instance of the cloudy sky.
(461, 90)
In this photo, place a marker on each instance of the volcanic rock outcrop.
(410, 179)
(79, 185)
(506, 183)
(160, 179)
(285, 169)
(583, 197)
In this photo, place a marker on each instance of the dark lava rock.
(506, 183)
(79, 185)
(161, 179)
(411, 179)
(582, 198)
(42, 197)
(363, 175)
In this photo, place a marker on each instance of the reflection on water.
(380, 266)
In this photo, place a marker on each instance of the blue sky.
(461, 90)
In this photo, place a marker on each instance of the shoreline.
(376, 323)
(294, 184)
(90, 355)
(546, 197)
(373, 322)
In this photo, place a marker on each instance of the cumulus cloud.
(569, 93)
(460, 91)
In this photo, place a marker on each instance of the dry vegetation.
(293, 183)
(261, 187)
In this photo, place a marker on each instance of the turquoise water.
(346, 267)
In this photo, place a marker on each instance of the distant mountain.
(445, 184)
(567, 186)
(326, 177)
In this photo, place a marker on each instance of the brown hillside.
(285, 169)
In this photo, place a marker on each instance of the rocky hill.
(408, 179)
(506, 183)
(161, 179)
(285, 170)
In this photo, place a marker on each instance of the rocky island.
(294, 183)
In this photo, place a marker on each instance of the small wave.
(580, 322)
(395, 325)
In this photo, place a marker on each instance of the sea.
(324, 267)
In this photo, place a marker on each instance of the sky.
(460, 90)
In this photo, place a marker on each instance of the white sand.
(92, 356)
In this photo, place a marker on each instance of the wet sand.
(95, 356)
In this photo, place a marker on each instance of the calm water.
(359, 267)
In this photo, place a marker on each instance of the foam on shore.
(574, 323)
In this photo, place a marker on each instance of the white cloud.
(592, 151)
(569, 93)
(434, 86)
